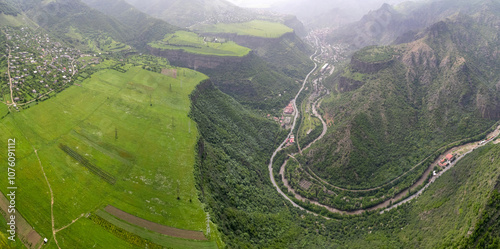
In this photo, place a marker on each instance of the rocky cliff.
(369, 67)
(346, 84)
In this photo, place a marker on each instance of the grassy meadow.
(134, 126)
(253, 28)
(192, 43)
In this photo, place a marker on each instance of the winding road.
(270, 167)
(387, 204)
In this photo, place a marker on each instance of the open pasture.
(135, 127)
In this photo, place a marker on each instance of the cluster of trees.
(253, 83)
(8, 9)
(231, 172)
(487, 232)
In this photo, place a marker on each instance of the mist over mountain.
(329, 14)
(401, 22)
(188, 13)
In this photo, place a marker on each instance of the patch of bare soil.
(27, 235)
(169, 72)
(166, 230)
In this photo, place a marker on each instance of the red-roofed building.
(450, 157)
(443, 163)
(289, 109)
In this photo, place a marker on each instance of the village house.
(443, 162)
(289, 109)
(450, 157)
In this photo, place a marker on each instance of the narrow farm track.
(71, 223)
(51, 199)
(50, 190)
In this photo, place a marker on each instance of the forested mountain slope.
(144, 28)
(396, 105)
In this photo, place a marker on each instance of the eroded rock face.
(347, 85)
(369, 67)
(195, 61)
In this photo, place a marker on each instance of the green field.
(192, 43)
(134, 126)
(8, 20)
(155, 237)
(375, 54)
(253, 28)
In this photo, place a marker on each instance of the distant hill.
(329, 13)
(399, 23)
(74, 22)
(142, 27)
(184, 13)
(8, 9)
(397, 104)
(87, 27)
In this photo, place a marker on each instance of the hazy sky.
(255, 3)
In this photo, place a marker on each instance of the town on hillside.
(38, 66)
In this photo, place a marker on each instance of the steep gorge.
(398, 104)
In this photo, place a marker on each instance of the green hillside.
(74, 22)
(257, 28)
(231, 171)
(192, 43)
(143, 28)
(452, 213)
(391, 114)
(133, 128)
(185, 13)
(111, 27)
(255, 84)
(6, 8)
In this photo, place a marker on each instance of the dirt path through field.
(51, 199)
(71, 223)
